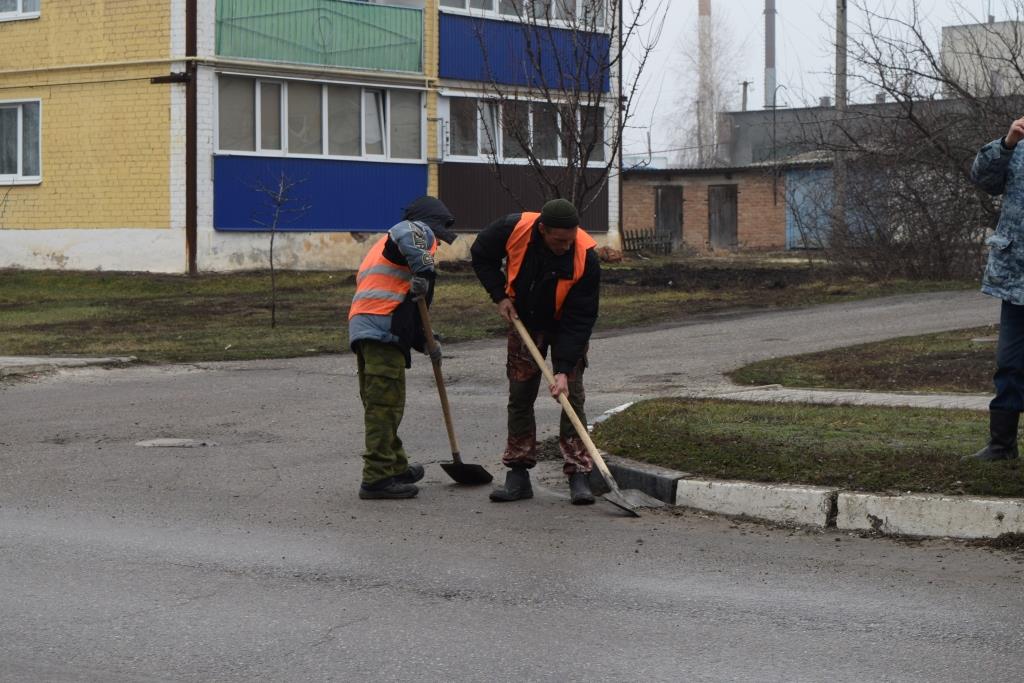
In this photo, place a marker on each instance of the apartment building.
(175, 136)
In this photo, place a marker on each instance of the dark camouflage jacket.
(999, 170)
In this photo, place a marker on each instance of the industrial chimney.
(705, 87)
(769, 54)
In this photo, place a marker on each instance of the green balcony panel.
(323, 32)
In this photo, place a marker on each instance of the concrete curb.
(930, 515)
(784, 503)
(922, 515)
(911, 514)
(655, 481)
(12, 366)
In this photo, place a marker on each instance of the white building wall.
(130, 249)
(982, 57)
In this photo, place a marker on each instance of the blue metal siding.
(507, 59)
(808, 208)
(339, 196)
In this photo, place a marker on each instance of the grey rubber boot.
(517, 486)
(579, 489)
(1002, 443)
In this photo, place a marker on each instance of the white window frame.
(495, 13)
(282, 122)
(19, 13)
(18, 178)
(500, 156)
(481, 135)
(385, 116)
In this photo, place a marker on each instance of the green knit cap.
(559, 213)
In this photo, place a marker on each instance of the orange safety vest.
(381, 284)
(516, 247)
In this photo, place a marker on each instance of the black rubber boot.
(411, 475)
(517, 486)
(579, 489)
(389, 488)
(1002, 443)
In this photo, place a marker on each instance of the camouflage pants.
(382, 390)
(524, 380)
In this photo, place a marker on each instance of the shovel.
(470, 475)
(630, 500)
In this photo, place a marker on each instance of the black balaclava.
(433, 212)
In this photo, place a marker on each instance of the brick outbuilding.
(709, 210)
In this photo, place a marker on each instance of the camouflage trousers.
(524, 380)
(382, 390)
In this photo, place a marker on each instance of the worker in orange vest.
(551, 283)
(383, 326)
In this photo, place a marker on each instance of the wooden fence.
(646, 240)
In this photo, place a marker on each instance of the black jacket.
(404, 323)
(535, 289)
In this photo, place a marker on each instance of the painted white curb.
(804, 505)
(931, 515)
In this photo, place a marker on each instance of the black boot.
(1002, 443)
(411, 475)
(517, 486)
(387, 489)
(579, 489)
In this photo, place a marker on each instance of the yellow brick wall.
(105, 128)
(74, 32)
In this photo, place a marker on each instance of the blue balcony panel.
(487, 50)
(329, 196)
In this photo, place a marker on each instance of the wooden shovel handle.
(581, 429)
(439, 380)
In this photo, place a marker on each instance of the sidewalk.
(29, 365)
(909, 514)
(776, 393)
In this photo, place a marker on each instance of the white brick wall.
(206, 108)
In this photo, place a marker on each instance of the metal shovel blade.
(467, 475)
(631, 500)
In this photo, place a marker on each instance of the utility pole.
(745, 84)
(839, 164)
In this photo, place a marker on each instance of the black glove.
(435, 355)
(420, 286)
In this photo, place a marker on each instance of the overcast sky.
(805, 58)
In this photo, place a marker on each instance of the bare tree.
(3, 205)
(567, 123)
(911, 208)
(280, 206)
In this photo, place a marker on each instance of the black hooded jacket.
(406, 324)
(535, 289)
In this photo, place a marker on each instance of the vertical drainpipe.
(431, 63)
(191, 91)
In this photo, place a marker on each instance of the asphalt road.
(254, 560)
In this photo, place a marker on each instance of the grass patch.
(957, 361)
(852, 447)
(161, 318)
